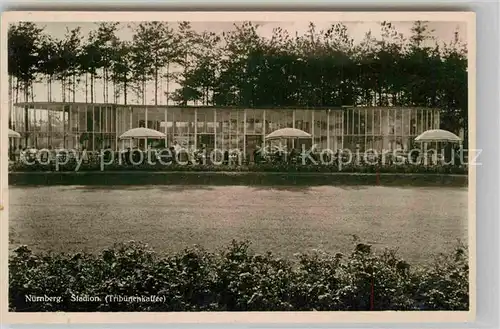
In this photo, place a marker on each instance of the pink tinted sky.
(443, 32)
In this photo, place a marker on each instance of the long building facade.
(97, 126)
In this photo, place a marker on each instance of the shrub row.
(265, 167)
(236, 279)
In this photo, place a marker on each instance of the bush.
(94, 165)
(235, 279)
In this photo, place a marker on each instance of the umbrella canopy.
(14, 134)
(437, 135)
(288, 133)
(142, 133)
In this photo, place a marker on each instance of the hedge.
(236, 279)
(265, 167)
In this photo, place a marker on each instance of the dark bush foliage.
(236, 279)
(264, 167)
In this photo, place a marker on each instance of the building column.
(215, 128)
(64, 128)
(328, 129)
(116, 127)
(130, 112)
(426, 120)
(431, 113)
(263, 128)
(34, 132)
(313, 125)
(146, 126)
(93, 127)
(407, 133)
(366, 125)
(388, 129)
(165, 113)
(409, 122)
(77, 135)
(342, 130)
(70, 128)
(130, 142)
(244, 134)
(101, 124)
(105, 130)
(373, 128)
(420, 123)
(195, 128)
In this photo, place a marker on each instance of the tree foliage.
(240, 67)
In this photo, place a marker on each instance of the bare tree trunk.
(168, 84)
(63, 89)
(10, 101)
(50, 88)
(125, 91)
(74, 88)
(144, 91)
(156, 86)
(69, 85)
(104, 85)
(105, 89)
(115, 99)
(17, 90)
(161, 86)
(92, 88)
(86, 87)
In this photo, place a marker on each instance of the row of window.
(96, 141)
(387, 121)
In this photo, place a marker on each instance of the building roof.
(61, 104)
(47, 104)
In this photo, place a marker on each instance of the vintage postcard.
(231, 167)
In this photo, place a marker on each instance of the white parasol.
(288, 133)
(142, 133)
(14, 134)
(437, 135)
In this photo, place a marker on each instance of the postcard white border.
(239, 317)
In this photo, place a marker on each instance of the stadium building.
(97, 126)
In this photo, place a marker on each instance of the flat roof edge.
(21, 104)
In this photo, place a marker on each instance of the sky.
(443, 31)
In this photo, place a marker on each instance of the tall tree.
(200, 62)
(121, 69)
(453, 91)
(155, 46)
(24, 42)
(188, 44)
(234, 86)
(48, 62)
(67, 61)
(90, 63)
(105, 40)
(243, 68)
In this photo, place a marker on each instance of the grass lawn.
(420, 222)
